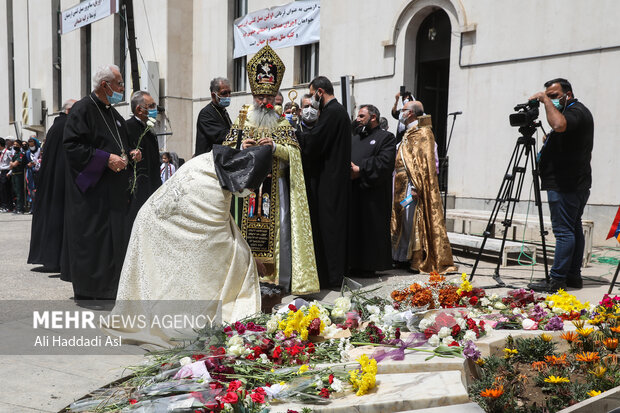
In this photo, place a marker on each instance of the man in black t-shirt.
(567, 176)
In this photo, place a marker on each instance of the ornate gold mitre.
(265, 72)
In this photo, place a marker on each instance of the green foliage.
(533, 349)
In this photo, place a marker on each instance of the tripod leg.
(538, 200)
(613, 281)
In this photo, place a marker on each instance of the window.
(308, 62)
(239, 76)
(56, 64)
(85, 57)
(11, 60)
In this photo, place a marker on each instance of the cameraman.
(567, 176)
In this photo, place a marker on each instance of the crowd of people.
(20, 162)
(337, 198)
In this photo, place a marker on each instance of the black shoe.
(552, 286)
(576, 283)
(413, 271)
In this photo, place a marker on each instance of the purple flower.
(555, 324)
(470, 351)
(538, 313)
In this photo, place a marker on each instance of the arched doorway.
(432, 71)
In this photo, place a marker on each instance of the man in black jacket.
(326, 156)
(373, 151)
(147, 177)
(213, 121)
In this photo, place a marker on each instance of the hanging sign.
(87, 12)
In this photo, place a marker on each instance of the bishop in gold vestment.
(275, 220)
(427, 246)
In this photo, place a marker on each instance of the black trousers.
(5, 190)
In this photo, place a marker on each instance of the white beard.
(261, 117)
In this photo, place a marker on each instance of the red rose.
(277, 352)
(456, 330)
(133, 401)
(429, 332)
(324, 393)
(234, 385)
(291, 306)
(473, 300)
(310, 348)
(215, 385)
(397, 333)
(471, 323)
(270, 106)
(257, 397)
(197, 357)
(231, 397)
(454, 344)
(331, 378)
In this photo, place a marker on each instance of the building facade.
(481, 57)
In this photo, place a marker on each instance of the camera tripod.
(510, 193)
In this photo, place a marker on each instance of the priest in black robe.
(214, 122)
(372, 163)
(97, 225)
(326, 155)
(147, 176)
(49, 210)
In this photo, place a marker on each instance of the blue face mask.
(115, 98)
(153, 113)
(224, 101)
(557, 104)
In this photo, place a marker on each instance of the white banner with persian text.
(293, 24)
(87, 12)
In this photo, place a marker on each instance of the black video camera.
(526, 114)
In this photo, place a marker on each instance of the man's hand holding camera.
(555, 101)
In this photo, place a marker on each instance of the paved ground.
(48, 383)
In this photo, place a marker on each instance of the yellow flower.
(598, 372)
(585, 332)
(546, 337)
(465, 285)
(303, 369)
(480, 361)
(579, 323)
(593, 393)
(508, 352)
(304, 334)
(556, 380)
(364, 379)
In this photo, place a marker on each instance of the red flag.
(614, 231)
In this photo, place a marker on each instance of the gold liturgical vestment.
(429, 247)
(264, 219)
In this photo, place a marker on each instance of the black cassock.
(370, 246)
(49, 210)
(326, 156)
(147, 171)
(97, 225)
(212, 126)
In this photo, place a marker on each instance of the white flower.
(337, 385)
(424, 324)
(558, 310)
(264, 358)
(274, 390)
(462, 323)
(185, 361)
(235, 340)
(374, 318)
(447, 341)
(338, 313)
(485, 301)
(470, 335)
(272, 325)
(528, 324)
(330, 331)
(344, 357)
(373, 309)
(444, 332)
(499, 306)
(434, 340)
(151, 122)
(516, 311)
(494, 297)
(344, 303)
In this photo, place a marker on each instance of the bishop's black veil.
(241, 169)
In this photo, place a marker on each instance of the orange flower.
(435, 278)
(556, 361)
(492, 393)
(569, 336)
(610, 359)
(615, 329)
(588, 357)
(539, 365)
(611, 343)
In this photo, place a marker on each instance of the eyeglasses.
(151, 106)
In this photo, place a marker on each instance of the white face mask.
(309, 114)
(32, 147)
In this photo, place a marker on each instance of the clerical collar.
(139, 120)
(413, 124)
(99, 101)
